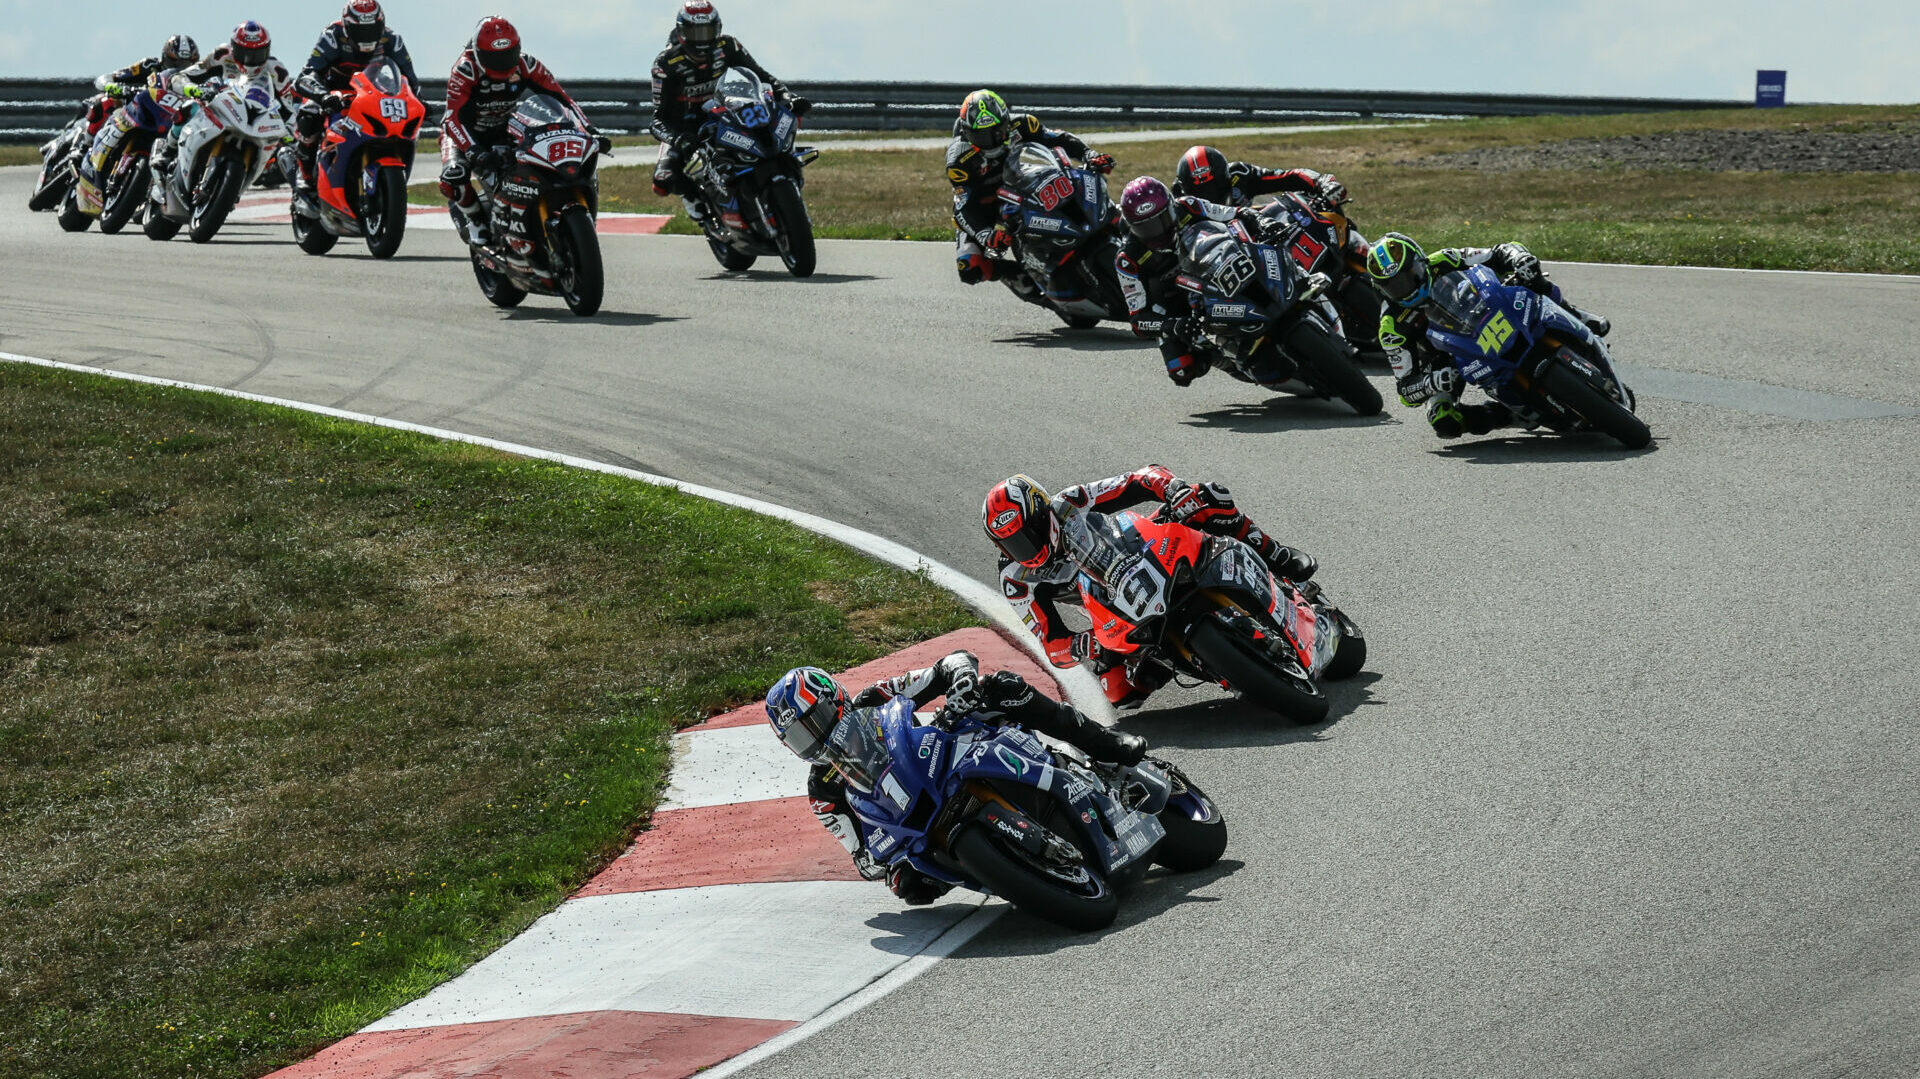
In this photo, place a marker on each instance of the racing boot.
(1105, 744)
(1599, 324)
(1295, 565)
(1481, 419)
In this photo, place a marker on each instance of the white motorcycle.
(221, 151)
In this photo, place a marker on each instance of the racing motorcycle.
(224, 146)
(1188, 603)
(1533, 355)
(128, 170)
(748, 173)
(1270, 321)
(995, 809)
(1318, 236)
(555, 156)
(60, 156)
(1065, 231)
(360, 173)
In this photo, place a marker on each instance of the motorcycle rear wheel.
(499, 291)
(48, 190)
(72, 217)
(796, 228)
(384, 214)
(985, 860)
(125, 196)
(1566, 386)
(223, 194)
(159, 226)
(1308, 343)
(312, 236)
(730, 257)
(583, 278)
(1254, 677)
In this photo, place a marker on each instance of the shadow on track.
(782, 275)
(1077, 340)
(1022, 934)
(562, 317)
(1288, 414)
(1231, 723)
(1544, 447)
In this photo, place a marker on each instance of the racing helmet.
(496, 46)
(804, 707)
(364, 23)
(1398, 269)
(1018, 518)
(1203, 174)
(180, 51)
(1147, 206)
(250, 47)
(985, 120)
(698, 25)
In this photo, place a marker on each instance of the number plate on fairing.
(1139, 591)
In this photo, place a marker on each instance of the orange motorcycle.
(360, 174)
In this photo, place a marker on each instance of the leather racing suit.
(1000, 697)
(1247, 182)
(335, 61)
(1424, 374)
(976, 175)
(1083, 546)
(1156, 304)
(480, 105)
(108, 134)
(683, 81)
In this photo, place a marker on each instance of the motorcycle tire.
(125, 193)
(1078, 322)
(1577, 395)
(1008, 876)
(583, 278)
(1310, 344)
(48, 191)
(223, 194)
(1254, 677)
(1192, 843)
(794, 226)
(159, 226)
(384, 214)
(312, 236)
(1348, 659)
(730, 257)
(499, 291)
(72, 217)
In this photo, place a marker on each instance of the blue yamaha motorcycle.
(995, 809)
(1066, 234)
(747, 171)
(1532, 355)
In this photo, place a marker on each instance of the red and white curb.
(732, 928)
(271, 207)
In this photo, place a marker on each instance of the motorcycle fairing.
(1504, 323)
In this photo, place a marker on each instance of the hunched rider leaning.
(684, 75)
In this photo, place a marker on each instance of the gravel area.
(1875, 148)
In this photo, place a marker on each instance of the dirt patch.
(1866, 148)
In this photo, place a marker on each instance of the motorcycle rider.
(1046, 543)
(1205, 172)
(1405, 275)
(490, 77)
(346, 47)
(986, 136)
(684, 75)
(248, 53)
(806, 708)
(1149, 265)
(179, 52)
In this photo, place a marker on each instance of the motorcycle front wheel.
(1084, 908)
(793, 225)
(383, 214)
(576, 248)
(125, 192)
(1248, 671)
(49, 188)
(72, 217)
(223, 194)
(1196, 830)
(1577, 395)
(1308, 343)
(158, 226)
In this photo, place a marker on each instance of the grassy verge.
(1827, 221)
(299, 717)
(19, 155)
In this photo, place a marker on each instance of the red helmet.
(496, 45)
(698, 24)
(364, 23)
(250, 47)
(1019, 520)
(1203, 174)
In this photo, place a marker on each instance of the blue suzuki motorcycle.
(747, 170)
(995, 809)
(1534, 356)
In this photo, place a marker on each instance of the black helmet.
(364, 23)
(698, 25)
(180, 51)
(1203, 175)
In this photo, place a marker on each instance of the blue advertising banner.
(1770, 90)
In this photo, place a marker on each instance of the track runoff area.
(1630, 786)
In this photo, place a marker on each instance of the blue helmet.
(804, 707)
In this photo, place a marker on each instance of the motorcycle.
(1065, 230)
(1533, 355)
(223, 147)
(128, 170)
(748, 173)
(360, 172)
(1208, 607)
(60, 156)
(1270, 320)
(995, 809)
(554, 155)
(1318, 236)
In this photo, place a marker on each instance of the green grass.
(1817, 221)
(19, 155)
(299, 717)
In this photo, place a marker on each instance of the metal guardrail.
(33, 109)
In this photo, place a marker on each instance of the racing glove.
(1331, 189)
(1190, 502)
(114, 89)
(336, 102)
(1522, 264)
(1100, 163)
(800, 105)
(999, 239)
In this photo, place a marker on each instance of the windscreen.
(1035, 166)
(856, 748)
(1460, 298)
(739, 87)
(1216, 257)
(541, 110)
(385, 76)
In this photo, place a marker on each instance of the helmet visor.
(1408, 284)
(1027, 546)
(987, 138)
(1154, 230)
(365, 34)
(251, 57)
(500, 61)
(701, 35)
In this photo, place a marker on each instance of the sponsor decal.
(1228, 310)
(958, 176)
(926, 744)
(500, 43)
(1003, 519)
(879, 842)
(1046, 224)
(1013, 761)
(736, 140)
(1272, 260)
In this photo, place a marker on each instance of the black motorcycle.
(1319, 237)
(748, 174)
(554, 155)
(60, 156)
(1065, 235)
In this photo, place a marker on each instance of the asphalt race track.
(1630, 787)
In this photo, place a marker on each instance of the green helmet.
(985, 119)
(1398, 268)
